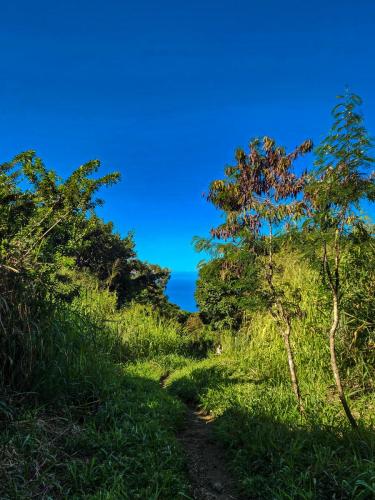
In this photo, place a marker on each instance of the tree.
(227, 285)
(106, 254)
(38, 214)
(259, 195)
(38, 221)
(49, 235)
(340, 181)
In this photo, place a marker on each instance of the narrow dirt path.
(208, 473)
(207, 469)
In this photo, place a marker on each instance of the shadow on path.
(208, 472)
(206, 460)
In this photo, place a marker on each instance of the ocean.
(181, 288)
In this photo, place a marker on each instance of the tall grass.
(53, 349)
(260, 346)
(84, 419)
(275, 452)
(86, 426)
(139, 331)
(145, 333)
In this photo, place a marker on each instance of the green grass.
(92, 424)
(121, 445)
(137, 331)
(271, 450)
(95, 423)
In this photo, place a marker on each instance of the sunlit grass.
(97, 424)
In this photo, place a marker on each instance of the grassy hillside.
(275, 451)
(97, 423)
(93, 426)
(87, 335)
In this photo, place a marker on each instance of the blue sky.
(165, 91)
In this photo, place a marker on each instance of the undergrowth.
(96, 423)
(120, 445)
(272, 450)
(93, 425)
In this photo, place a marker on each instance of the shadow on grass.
(193, 387)
(272, 458)
(123, 446)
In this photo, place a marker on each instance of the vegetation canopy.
(108, 390)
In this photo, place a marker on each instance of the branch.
(10, 268)
(326, 267)
(44, 235)
(337, 260)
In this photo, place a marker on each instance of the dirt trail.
(207, 469)
(205, 458)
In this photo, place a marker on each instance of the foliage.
(259, 189)
(91, 427)
(112, 259)
(199, 337)
(271, 451)
(227, 286)
(262, 190)
(87, 335)
(39, 223)
(334, 195)
(358, 296)
(50, 239)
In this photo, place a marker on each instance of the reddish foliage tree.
(258, 195)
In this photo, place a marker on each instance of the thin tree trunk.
(334, 283)
(292, 366)
(287, 332)
(335, 369)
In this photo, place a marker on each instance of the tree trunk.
(292, 367)
(284, 316)
(334, 283)
(335, 370)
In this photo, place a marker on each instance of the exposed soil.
(205, 459)
(208, 473)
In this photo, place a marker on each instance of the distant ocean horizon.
(181, 289)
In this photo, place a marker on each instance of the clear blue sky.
(164, 92)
